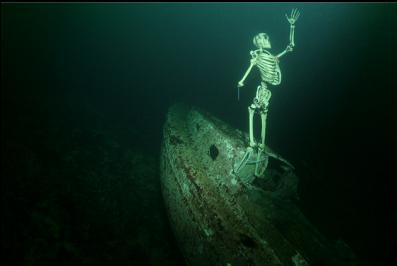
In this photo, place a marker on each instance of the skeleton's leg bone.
(263, 134)
(262, 160)
(265, 165)
(251, 111)
(244, 160)
(258, 159)
(263, 96)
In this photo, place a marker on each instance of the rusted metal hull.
(218, 219)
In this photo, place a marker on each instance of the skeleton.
(270, 73)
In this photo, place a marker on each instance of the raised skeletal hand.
(294, 16)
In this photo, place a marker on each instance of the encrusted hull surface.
(218, 219)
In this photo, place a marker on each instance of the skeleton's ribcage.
(269, 68)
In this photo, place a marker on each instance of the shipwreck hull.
(219, 220)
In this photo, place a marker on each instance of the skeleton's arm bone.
(291, 42)
(247, 72)
(291, 35)
(283, 53)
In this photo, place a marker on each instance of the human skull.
(262, 41)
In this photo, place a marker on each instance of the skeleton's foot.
(253, 164)
(253, 145)
(262, 147)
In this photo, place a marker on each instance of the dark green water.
(84, 93)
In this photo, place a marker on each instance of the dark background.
(86, 87)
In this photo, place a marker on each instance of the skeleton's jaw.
(266, 46)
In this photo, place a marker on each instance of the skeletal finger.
(295, 15)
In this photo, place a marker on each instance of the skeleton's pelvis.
(263, 96)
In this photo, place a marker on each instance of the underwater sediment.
(217, 218)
